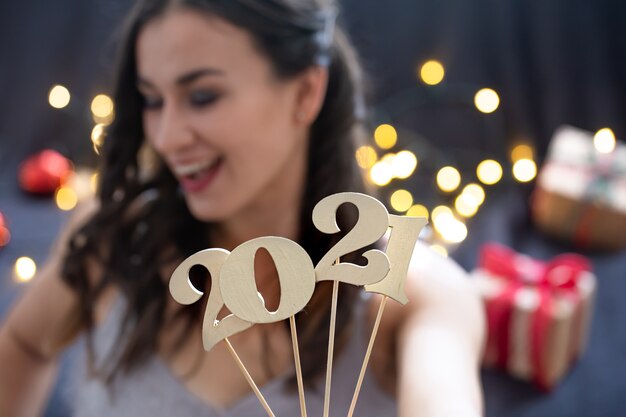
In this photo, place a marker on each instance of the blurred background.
(465, 98)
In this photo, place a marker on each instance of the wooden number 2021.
(233, 284)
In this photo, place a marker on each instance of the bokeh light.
(604, 140)
(401, 200)
(404, 164)
(522, 151)
(489, 172)
(465, 205)
(450, 229)
(439, 210)
(476, 191)
(366, 156)
(59, 97)
(448, 179)
(385, 136)
(97, 136)
(381, 173)
(25, 269)
(418, 210)
(432, 72)
(524, 170)
(102, 109)
(81, 183)
(486, 100)
(66, 198)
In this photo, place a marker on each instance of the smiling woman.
(233, 119)
(233, 134)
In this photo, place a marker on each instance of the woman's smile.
(198, 176)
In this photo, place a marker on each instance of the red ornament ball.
(44, 172)
(5, 235)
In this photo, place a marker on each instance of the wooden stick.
(296, 358)
(331, 346)
(367, 356)
(246, 374)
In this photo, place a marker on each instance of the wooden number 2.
(295, 273)
(371, 225)
(404, 233)
(184, 292)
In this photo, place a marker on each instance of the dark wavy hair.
(143, 223)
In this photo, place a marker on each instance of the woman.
(234, 118)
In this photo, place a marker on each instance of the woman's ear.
(311, 92)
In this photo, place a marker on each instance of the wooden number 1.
(404, 233)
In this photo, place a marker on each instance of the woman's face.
(229, 130)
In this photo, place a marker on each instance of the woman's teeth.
(193, 169)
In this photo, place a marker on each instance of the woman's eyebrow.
(185, 78)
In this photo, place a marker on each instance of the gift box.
(580, 194)
(538, 312)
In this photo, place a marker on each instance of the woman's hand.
(440, 340)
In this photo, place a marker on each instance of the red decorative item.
(5, 235)
(538, 313)
(44, 172)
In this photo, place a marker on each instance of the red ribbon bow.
(557, 276)
(562, 272)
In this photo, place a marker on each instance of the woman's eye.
(151, 102)
(202, 98)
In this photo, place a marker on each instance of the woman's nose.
(174, 132)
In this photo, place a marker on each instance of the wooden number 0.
(184, 292)
(295, 273)
(371, 225)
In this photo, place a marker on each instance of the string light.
(97, 136)
(465, 205)
(401, 200)
(381, 173)
(102, 109)
(59, 97)
(66, 198)
(476, 192)
(450, 229)
(385, 136)
(404, 164)
(448, 179)
(522, 151)
(25, 269)
(366, 156)
(418, 210)
(524, 170)
(486, 100)
(604, 140)
(432, 72)
(489, 172)
(81, 183)
(440, 210)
